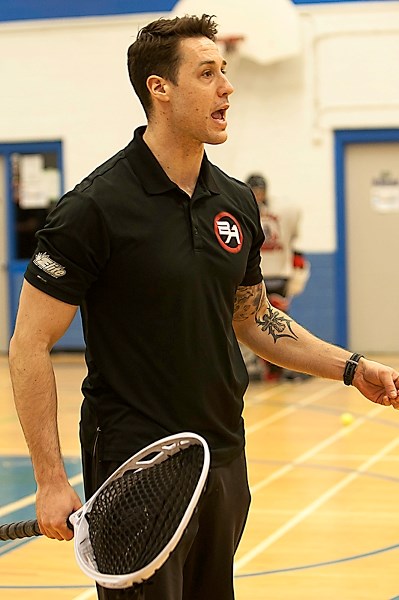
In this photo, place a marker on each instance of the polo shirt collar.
(152, 176)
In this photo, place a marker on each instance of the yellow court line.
(353, 457)
(312, 451)
(299, 517)
(290, 409)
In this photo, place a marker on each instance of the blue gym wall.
(315, 309)
(15, 10)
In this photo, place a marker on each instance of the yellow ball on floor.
(346, 418)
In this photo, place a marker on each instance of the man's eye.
(207, 73)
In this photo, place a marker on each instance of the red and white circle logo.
(228, 232)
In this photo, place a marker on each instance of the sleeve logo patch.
(48, 265)
(228, 232)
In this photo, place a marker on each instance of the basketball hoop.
(230, 42)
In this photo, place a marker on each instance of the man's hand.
(54, 504)
(377, 382)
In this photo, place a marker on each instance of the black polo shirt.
(155, 275)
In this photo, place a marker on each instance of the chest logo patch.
(48, 265)
(228, 232)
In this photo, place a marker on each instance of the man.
(161, 251)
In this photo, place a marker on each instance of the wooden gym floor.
(324, 515)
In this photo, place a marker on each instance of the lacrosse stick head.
(134, 521)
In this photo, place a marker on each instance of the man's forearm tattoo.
(276, 324)
(252, 300)
(247, 301)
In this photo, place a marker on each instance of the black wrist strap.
(350, 368)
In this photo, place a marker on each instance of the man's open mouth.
(219, 115)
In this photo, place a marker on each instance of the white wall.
(67, 79)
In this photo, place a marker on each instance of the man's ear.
(159, 88)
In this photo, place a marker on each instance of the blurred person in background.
(285, 269)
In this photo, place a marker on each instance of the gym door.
(372, 225)
(33, 183)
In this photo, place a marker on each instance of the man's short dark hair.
(156, 50)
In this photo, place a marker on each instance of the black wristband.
(350, 368)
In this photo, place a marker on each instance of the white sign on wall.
(31, 185)
(384, 194)
(38, 186)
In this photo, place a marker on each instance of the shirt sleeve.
(253, 273)
(72, 249)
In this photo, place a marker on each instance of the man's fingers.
(57, 532)
(390, 381)
(395, 403)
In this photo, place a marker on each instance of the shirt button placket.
(196, 232)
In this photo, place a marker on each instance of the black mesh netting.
(136, 515)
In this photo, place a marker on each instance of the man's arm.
(41, 321)
(275, 336)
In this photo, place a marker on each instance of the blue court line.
(326, 563)
(243, 575)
